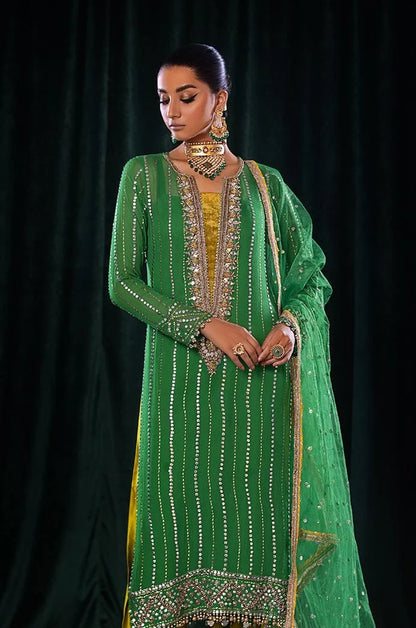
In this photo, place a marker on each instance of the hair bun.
(207, 63)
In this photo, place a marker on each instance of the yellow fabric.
(131, 528)
(211, 207)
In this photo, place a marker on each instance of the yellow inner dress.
(211, 207)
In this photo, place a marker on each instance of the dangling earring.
(173, 140)
(219, 131)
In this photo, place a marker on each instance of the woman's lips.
(175, 127)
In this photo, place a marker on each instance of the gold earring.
(219, 131)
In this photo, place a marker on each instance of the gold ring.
(238, 349)
(278, 351)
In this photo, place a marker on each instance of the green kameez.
(230, 525)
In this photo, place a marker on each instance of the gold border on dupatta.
(264, 193)
(297, 398)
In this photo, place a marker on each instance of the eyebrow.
(179, 89)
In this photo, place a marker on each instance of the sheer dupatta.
(326, 582)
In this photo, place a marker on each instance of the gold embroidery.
(326, 545)
(220, 302)
(212, 595)
(264, 193)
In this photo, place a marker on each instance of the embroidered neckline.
(220, 302)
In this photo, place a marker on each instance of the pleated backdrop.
(321, 91)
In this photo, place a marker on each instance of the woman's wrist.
(206, 324)
(283, 320)
(201, 327)
(193, 344)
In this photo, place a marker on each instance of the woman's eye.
(165, 101)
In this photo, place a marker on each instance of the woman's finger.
(234, 358)
(249, 359)
(249, 354)
(253, 343)
(280, 335)
(275, 338)
(267, 353)
(270, 359)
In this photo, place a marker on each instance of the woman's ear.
(221, 100)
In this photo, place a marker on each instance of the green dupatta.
(330, 588)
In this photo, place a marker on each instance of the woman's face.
(187, 104)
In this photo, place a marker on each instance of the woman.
(240, 510)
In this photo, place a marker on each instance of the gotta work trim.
(264, 193)
(211, 595)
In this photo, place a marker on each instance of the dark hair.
(207, 63)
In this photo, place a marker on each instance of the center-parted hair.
(205, 61)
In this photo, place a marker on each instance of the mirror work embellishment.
(220, 303)
(224, 596)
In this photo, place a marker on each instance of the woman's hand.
(226, 335)
(281, 335)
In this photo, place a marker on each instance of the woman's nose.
(173, 111)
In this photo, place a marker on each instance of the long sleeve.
(127, 288)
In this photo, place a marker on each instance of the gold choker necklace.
(206, 158)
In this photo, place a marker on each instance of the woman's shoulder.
(269, 171)
(272, 176)
(140, 163)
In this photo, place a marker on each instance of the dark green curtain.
(323, 92)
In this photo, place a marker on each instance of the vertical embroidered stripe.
(144, 412)
(134, 225)
(248, 389)
(263, 540)
(270, 300)
(221, 474)
(152, 226)
(159, 473)
(246, 471)
(123, 234)
(236, 454)
(289, 435)
(271, 475)
(172, 458)
(185, 420)
(126, 220)
(250, 255)
(285, 503)
(198, 431)
(170, 231)
(149, 516)
(211, 505)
